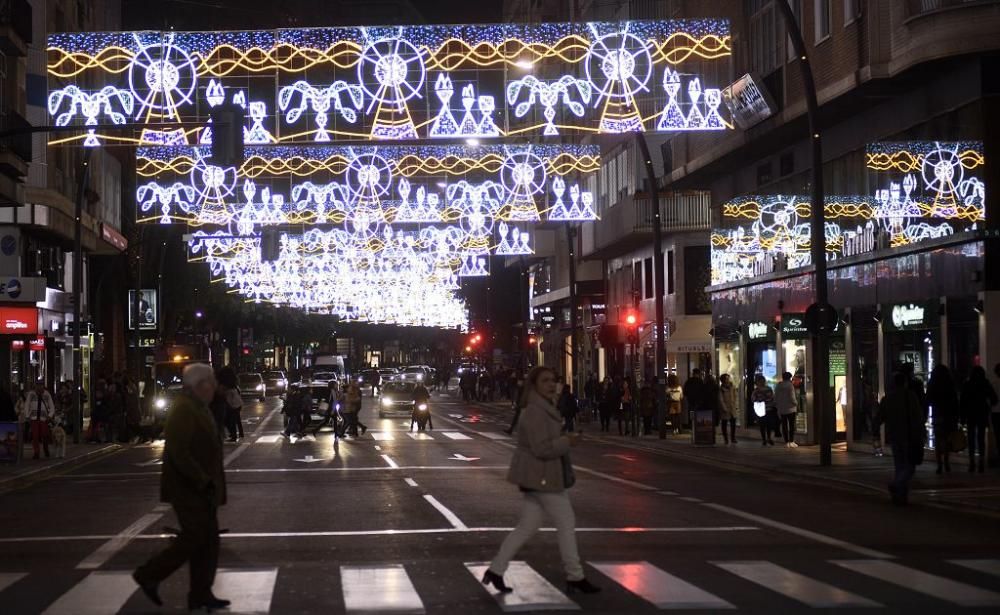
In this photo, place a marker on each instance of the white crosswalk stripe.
(100, 593)
(532, 592)
(986, 566)
(250, 590)
(419, 435)
(270, 439)
(382, 436)
(456, 435)
(9, 578)
(663, 590)
(948, 590)
(379, 589)
(795, 586)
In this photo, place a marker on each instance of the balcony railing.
(690, 211)
(629, 224)
(919, 7)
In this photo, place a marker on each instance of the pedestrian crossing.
(396, 436)
(403, 588)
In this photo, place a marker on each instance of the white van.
(330, 363)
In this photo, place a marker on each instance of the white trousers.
(560, 510)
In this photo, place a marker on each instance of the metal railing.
(919, 7)
(688, 211)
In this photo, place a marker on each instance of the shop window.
(764, 174)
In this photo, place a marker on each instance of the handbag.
(957, 441)
(569, 477)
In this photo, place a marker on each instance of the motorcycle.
(421, 416)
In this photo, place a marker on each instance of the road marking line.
(410, 482)
(269, 439)
(456, 435)
(661, 589)
(239, 450)
(667, 492)
(532, 592)
(809, 592)
(688, 498)
(106, 551)
(798, 531)
(419, 435)
(382, 436)
(450, 516)
(492, 435)
(614, 479)
(986, 566)
(250, 590)
(9, 578)
(941, 588)
(377, 447)
(383, 589)
(605, 530)
(390, 462)
(100, 593)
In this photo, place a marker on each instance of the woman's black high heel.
(494, 579)
(583, 586)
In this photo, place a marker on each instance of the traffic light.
(532, 341)
(227, 135)
(631, 321)
(246, 351)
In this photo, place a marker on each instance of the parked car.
(252, 385)
(275, 383)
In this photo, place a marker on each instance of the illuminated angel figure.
(328, 201)
(473, 267)
(549, 94)
(162, 77)
(320, 100)
(516, 245)
(478, 204)
(90, 106)
(523, 176)
(166, 198)
(619, 66)
(391, 71)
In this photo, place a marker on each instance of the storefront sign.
(113, 237)
(795, 326)
(18, 320)
(907, 316)
(36, 344)
(758, 330)
(748, 101)
(703, 432)
(17, 345)
(689, 347)
(22, 290)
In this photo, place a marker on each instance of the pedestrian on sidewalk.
(762, 399)
(40, 412)
(942, 397)
(977, 402)
(787, 404)
(234, 403)
(569, 406)
(193, 482)
(710, 399)
(675, 403)
(904, 419)
(625, 409)
(542, 469)
(692, 393)
(610, 402)
(727, 407)
(647, 406)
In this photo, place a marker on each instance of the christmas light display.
(409, 82)
(925, 190)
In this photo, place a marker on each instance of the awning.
(691, 335)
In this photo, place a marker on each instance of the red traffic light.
(631, 319)
(532, 340)
(246, 350)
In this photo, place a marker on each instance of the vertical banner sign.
(142, 309)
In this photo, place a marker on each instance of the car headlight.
(422, 407)
(420, 376)
(386, 401)
(160, 403)
(459, 370)
(260, 387)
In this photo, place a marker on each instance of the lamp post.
(658, 281)
(82, 182)
(820, 314)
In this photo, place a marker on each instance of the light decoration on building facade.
(924, 190)
(410, 82)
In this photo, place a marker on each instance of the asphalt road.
(395, 523)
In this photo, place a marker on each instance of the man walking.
(903, 414)
(194, 483)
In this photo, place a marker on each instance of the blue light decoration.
(90, 105)
(412, 82)
(924, 190)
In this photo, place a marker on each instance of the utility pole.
(573, 302)
(820, 315)
(658, 290)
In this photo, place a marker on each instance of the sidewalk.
(28, 470)
(850, 469)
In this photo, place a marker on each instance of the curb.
(31, 476)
